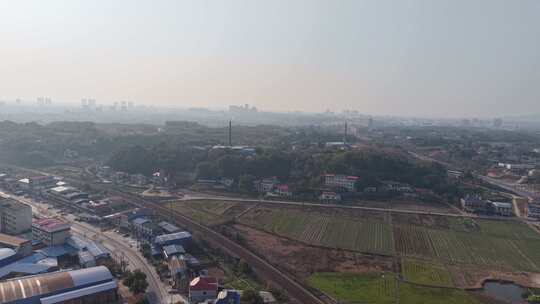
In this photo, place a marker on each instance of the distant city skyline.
(405, 58)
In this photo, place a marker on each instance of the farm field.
(209, 212)
(426, 273)
(351, 288)
(384, 289)
(495, 245)
(328, 230)
(501, 244)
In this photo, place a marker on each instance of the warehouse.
(89, 286)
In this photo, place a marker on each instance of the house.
(266, 184)
(392, 186)
(473, 203)
(202, 288)
(501, 209)
(339, 181)
(282, 190)
(228, 297)
(534, 210)
(328, 196)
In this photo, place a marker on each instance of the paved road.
(157, 293)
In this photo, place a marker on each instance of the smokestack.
(230, 133)
(345, 135)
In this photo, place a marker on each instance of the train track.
(264, 269)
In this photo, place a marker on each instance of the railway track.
(264, 269)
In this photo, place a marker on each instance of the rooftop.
(54, 284)
(203, 283)
(6, 253)
(12, 241)
(50, 225)
(173, 236)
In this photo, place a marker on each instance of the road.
(265, 270)
(157, 292)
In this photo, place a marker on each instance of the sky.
(443, 58)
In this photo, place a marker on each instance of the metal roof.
(12, 241)
(6, 253)
(173, 236)
(140, 221)
(70, 295)
(168, 227)
(92, 275)
(171, 250)
(501, 205)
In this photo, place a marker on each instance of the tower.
(230, 133)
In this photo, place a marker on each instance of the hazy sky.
(432, 57)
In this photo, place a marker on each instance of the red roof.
(204, 283)
(283, 187)
(51, 224)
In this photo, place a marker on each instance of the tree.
(251, 296)
(245, 183)
(136, 281)
(243, 267)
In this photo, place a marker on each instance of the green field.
(426, 273)
(504, 245)
(352, 288)
(364, 235)
(383, 289)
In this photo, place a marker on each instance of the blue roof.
(6, 253)
(168, 227)
(34, 264)
(140, 221)
(171, 250)
(75, 294)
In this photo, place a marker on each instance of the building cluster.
(476, 204)
(206, 290)
(534, 209)
(271, 187)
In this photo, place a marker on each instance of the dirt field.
(303, 260)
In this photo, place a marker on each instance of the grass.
(413, 294)
(352, 288)
(426, 273)
(379, 289)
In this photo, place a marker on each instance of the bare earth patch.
(302, 260)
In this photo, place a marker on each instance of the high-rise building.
(15, 217)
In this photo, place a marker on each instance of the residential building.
(283, 190)
(202, 288)
(338, 181)
(94, 285)
(392, 186)
(534, 210)
(50, 231)
(328, 196)
(15, 217)
(228, 297)
(473, 203)
(501, 209)
(266, 184)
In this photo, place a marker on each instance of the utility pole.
(345, 134)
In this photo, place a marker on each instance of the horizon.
(410, 59)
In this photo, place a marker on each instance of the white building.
(328, 196)
(15, 217)
(341, 181)
(51, 232)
